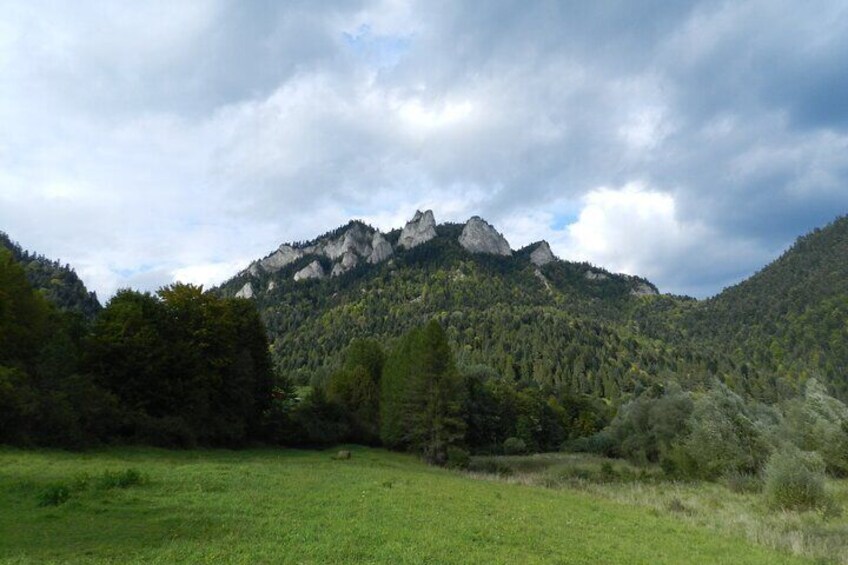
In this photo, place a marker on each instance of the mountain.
(59, 283)
(526, 313)
(534, 317)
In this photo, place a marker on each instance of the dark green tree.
(421, 395)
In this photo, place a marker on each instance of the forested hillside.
(787, 323)
(563, 324)
(59, 283)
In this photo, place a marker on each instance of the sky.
(686, 142)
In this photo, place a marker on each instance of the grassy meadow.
(730, 508)
(150, 505)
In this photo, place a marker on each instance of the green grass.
(820, 535)
(299, 506)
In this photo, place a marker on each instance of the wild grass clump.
(54, 495)
(121, 479)
(742, 483)
(794, 480)
(490, 466)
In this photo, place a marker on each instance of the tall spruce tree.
(421, 395)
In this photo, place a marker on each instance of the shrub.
(794, 480)
(514, 446)
(54, 495)
(458, 458)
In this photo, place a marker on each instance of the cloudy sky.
(688, 142)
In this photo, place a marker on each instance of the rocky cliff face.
(478, 236)
(420, 229)
(643, 289)
(283, 256)
(246, 291)
(380, 249)
(357, 242)
(542, 255)
(314, 270)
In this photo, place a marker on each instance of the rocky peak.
(380, 249)
(478, 236)
(420, 229)
(356, 239)
(542, 255)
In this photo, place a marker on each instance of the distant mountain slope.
(59, 283)
(792, 316)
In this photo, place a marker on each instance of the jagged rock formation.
(283, 256)
(246, 291)
(596, 276)
(380, 249)
(356, 242)
(420, 229)
(479, 236)
(314, 270)
(542, 255)
(644, 289)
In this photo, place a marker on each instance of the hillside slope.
(59, 283)
(792, 316)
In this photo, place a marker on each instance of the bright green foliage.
(420, 402)
(645, 429)
(819, 422)
(794, 480)
(725, 435)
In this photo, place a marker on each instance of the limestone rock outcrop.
(644, 289)
(380, 249)
(542, 255)
(246, 291)
(283, 256)
(478, 236)
(314, 270)
(420, 229)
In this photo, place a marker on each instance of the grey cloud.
(276, 121)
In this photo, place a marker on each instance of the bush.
(514, 446)
(794, 480)
(54, 495)
(458, 458)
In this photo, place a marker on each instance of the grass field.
(818, 535)
(300, 506)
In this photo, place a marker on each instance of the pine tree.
(421, 395)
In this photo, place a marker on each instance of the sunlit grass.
(815, 534)
(298, 506)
